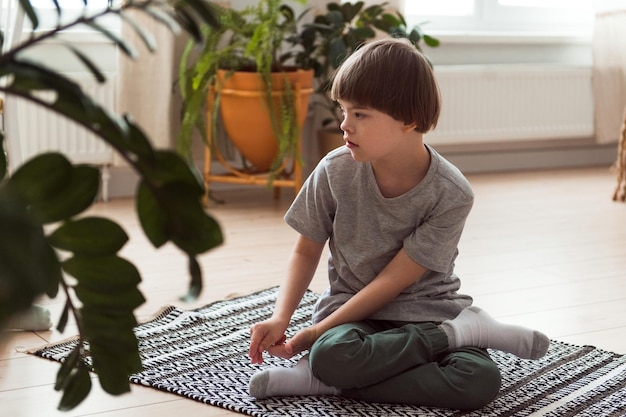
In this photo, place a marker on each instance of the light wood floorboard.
(543, 249)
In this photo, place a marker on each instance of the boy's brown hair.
(393, 77)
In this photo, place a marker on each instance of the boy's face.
(372, 135)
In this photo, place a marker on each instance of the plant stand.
(289, 175)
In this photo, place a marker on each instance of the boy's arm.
(300, 270)
(400, 273)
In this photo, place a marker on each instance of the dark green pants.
(404, 363)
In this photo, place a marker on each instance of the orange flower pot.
(246, 116)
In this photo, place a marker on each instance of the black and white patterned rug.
(202, 355)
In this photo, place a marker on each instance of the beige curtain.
(609, 73)
(145, 85)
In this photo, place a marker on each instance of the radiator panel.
(496, 103)
(42, 130)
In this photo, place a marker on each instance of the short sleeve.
(313, 210)
(434, 243)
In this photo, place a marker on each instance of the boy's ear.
(409, 126)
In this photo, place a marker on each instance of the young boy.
(391, 327)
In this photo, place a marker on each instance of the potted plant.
(261, 96)
(335, 34)
(45, 235)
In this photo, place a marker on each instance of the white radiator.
(496, 103)
(41, 130)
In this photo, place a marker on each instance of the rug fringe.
(66, 341)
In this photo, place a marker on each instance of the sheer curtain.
(145, 85)
(609, 71)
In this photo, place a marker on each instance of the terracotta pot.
(246, 116)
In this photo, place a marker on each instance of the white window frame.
(493, 20)
(48, 18)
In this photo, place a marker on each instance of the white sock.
(474, 327)
(280, 382)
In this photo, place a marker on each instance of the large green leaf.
(89, 236)
(122, 300)
(114, 368)
(28, 266)
(182, 218)
(152, 217)
(94, 319)
(70, 362)
(78, 195)
(108, 275)
(169, 167)
(42, 177)
(76, 388)
(113, 347)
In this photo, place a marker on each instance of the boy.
(391, 327)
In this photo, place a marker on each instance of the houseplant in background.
(45, 238)
(335, 34)
(242, 70)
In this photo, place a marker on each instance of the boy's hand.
(263, 336)
(301, 341)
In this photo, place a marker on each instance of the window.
(530, 17)
(48, 16)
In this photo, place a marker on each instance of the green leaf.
(52, 271)
(190, 227)
(350, 10)
(3, 158)
(430, 41)
(113, 346)
(206, 10)
(113, 377)
(25, 264)
(121, 300)
(30, 13)
(186, 19)
(93, 68)
(64, 317)
(125, 47)
(164, 18)
(42, 177)
(152, 218)
(77, 196)
(145, 36)
(89, 236)
(76, 389)
(106, 275)
(66, 368)
(169, 167)
(337, 52)
(119, 321)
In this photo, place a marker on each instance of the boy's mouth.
(350, 144)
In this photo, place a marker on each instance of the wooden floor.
(542, 249)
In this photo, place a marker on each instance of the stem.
(74, 310)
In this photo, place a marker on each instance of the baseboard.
(122, 182)
(469, 159)
(484, 159)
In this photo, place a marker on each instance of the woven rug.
(202, 355)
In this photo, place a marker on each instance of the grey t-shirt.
(341, 202)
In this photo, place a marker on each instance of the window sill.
(510, 38)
